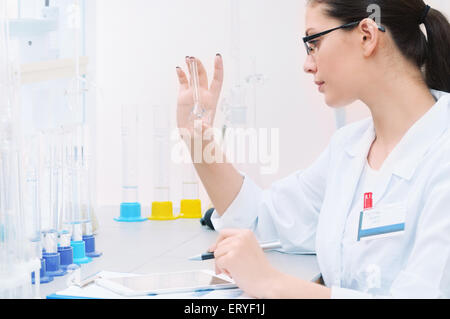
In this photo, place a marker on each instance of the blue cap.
(130, 213)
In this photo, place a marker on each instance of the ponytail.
(437, 63)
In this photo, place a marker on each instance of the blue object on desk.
(66, 256)
(44, 277)
(79, 253)
(202, 292)
(56, 296)
(130, 213)
(89, 241)
(53, 264)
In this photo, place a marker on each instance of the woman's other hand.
(239, 255)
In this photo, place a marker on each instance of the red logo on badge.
(368, 201)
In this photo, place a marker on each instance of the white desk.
(163, 246)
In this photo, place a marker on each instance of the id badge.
(382, 222)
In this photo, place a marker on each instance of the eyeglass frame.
(320, 34)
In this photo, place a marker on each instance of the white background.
(135, 45)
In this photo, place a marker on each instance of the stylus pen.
(207, 256)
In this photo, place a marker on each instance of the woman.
(401, 156)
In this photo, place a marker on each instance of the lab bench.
(163, 246)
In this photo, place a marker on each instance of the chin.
(336, 102)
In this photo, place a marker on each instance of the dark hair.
(402, 18)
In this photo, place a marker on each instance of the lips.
(320, 85)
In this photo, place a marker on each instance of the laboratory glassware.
(83, 192)
(15, 272)
(32, 218)
(50, 198)
(198, 110)
(191, 206)
(74, 217)
(64, 229)
(240, 113)
(130, 209)
(86, 193)
(162, 206)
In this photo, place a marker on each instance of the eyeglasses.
(310, 41)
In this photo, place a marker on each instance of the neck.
(397, 103)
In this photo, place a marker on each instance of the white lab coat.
(307, 211)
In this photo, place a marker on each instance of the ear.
(370, 36)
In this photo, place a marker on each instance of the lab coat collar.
(362, 146)
(406, 156)
(421, 137)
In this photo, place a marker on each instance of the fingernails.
(218, 54)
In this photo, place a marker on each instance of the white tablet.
(164, 283)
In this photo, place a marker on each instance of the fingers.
(186, 59)
(219, 271)
(222, 235)
(222, 260)
(202, 75)
(221, 266)
(182, 78)
(186, 82)
(217, 82)
(223, 248)
(220, 242)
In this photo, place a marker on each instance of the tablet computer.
(164, 283)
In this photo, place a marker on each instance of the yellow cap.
(162, 211)
(191, 208)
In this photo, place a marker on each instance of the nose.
(310, 65)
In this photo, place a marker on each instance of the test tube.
(236, 109)
(73, 214)
(65, 249)
(50, 196)
(32, 218)
(161, 167)
(190, 183)
(198, 110)
(74, 167)
(190, 204)
(130, 209)
(31, 212)
(162, 207)
(67, 215)
(129, 154)
(48, 222)
(29, 251)
(9, 224)
(15, 270)
(86, 191)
